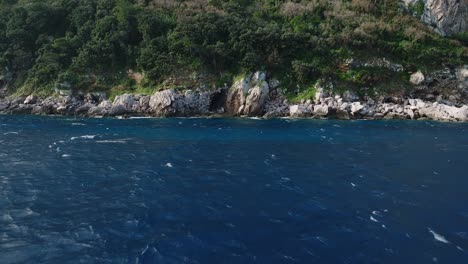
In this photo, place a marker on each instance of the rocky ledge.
(257, 95)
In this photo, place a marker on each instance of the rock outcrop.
(417, 78)
(163, 103)
(248, 95)
(446, 17)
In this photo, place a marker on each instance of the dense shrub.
(44, 42)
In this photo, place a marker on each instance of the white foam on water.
(141, 117)
(84, 137)
(169, 165)
(78, 124)
(373, 219)
(144, 250)
(66, 155)
(119, 141)
(438, 237)
(376, 213)
(11, 133)
(354, 185)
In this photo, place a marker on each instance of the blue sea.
(232, 191)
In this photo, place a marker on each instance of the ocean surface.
(232, 191)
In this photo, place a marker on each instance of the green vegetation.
(92, 45)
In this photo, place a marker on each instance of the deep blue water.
(232, 191)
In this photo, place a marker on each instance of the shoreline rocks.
(169, 103)
(255, 96)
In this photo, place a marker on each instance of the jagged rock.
(438, 111)
(320, 95)
(356, 107)
(117, 109)
(124, 101)
(83, 109)
(22, 109)
(256, 99)
(277, 112)
(298, 111)
(462, 76)
(61, 110)
(417, 78)
(248, 95)
(410, 113)
(446, 17)
(321, 110)
(378, 116)
(4, 104)
(342, 114)
(345, 106)
(43, 109)
(161, 103)
(37, 110)
(101, 110)
(195, 103)
(144, 103)
(32, 99)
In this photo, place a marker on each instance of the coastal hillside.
(140, 47)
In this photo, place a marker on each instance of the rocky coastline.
(256, 95)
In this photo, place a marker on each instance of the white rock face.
(320, 95)
(32, 99)
(321, 110)
(125, 100)
(438, 111)
(417, 78)
(297, 111)
(248, 95)
(446, 17)
(462, 75)
(356, 107)
(161, 103)
(256, 99)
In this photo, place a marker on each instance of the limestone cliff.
(446, 17)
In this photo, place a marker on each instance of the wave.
(84, 137)
(119, 141)
(438, 237)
